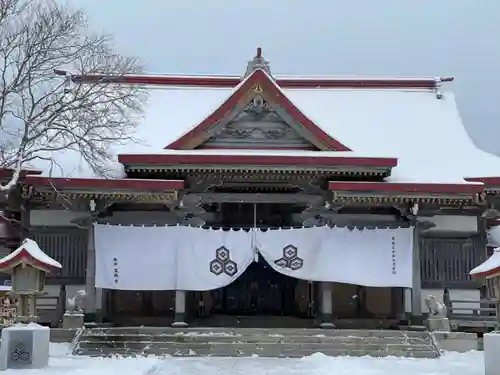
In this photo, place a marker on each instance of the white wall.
(61, 218)
(448, 223)
(453, 223)
(54, 218)
(142, 217)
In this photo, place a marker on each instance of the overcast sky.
(331, 37)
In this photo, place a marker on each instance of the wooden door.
(258, 291)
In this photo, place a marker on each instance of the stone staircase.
(241, 342)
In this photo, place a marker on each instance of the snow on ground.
(62, 363)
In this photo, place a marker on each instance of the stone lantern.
(28, 265)
(490, 270)
(26, 346)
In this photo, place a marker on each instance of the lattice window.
(447, 262)
(66, 245)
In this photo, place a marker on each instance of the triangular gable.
(259, 83)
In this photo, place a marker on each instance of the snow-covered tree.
(42, 111)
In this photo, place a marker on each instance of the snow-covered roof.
(425, 133)
(28, 252)
(490, 268)
(170, 112)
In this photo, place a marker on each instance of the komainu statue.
(436, 307)
(74, 305)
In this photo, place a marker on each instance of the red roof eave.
(493, 272)
(233, 81)
(105, 184)
(264, 160)
(407, 187)
(25, 257)
(6, 173)
(487, 181)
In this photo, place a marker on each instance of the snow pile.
(210, 334)
(62, 362)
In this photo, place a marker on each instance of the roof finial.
(258, 62)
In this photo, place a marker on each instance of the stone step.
(256, 339)
(236, 352)
(246, 342)
(250, 346)
(253, 332)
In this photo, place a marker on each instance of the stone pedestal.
(438, 324)
(326, 306)
(73, 321)
(25, 346)
(180, 309)
(491, 353)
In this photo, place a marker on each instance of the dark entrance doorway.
(260, 290)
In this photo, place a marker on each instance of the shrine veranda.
(259, 152)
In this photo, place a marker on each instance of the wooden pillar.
(480, 256)
(482, 245)
(416, 289)
(25, 224)
(398, 302)
(326, 305)
(180, 309)
(90, 302)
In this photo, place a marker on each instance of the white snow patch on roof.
(169, 114)
(352, 78)
(425, 133)
(34, 250)
(492, 263)
(289, 153)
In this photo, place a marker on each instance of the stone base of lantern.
(24, 346)
(73, 321)
(491, 343)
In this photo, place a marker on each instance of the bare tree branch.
(41, 112)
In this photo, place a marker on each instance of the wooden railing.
(476, 314)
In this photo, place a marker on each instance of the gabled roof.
(383, 120)
(258, 82)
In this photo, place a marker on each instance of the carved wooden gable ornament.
(258, 115)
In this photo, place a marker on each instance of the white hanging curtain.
(169, 258)
(210, 259)
(135, 258)
(378, 257)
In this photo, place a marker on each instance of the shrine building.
(252, 156)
